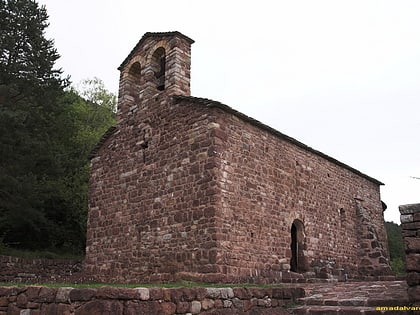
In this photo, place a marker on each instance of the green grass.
(7, 251)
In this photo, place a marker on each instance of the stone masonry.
(189, 188)
(36, 300)
(410, 224)
(38, 270)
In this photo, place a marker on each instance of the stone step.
(344, 310)
(357, 294)
(353, 298)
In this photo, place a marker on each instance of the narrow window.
(342, 216)
(134, 80)
(159, 66)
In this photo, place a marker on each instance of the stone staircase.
(351, 298)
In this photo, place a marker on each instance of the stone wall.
(269, 182)
(410, 224)
(151, 210)
(161, 301)
(23, 270)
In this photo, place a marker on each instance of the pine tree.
(29, 89)
(46, 135)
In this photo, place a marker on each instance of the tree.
(46, 134)
(396, 247)
(94, 91)
(29, 87)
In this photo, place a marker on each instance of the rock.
(414, 293)
(413, 262)
(143, 293)
(99, 307)
(63, 295)
(195, 307)
(207, 304)
(81, 294)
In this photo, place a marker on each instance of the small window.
(342, 215)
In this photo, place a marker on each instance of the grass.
(8, 251)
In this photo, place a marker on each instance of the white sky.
(340, 76)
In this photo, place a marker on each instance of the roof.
(156, 35)
(214, 104)
(101, 141)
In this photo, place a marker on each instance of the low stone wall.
(34, 300)
(410, 224)
(22, 270)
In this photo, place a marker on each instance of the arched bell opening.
(134, 79)
(159, 67)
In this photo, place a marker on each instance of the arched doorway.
(297, 246)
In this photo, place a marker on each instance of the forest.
(47, 130)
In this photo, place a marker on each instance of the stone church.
(189, 188)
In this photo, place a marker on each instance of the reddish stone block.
(46, 295)
(183, 307)
(411, 226)
(412, 244)
(21, 300)
(33, 305)
(12, 291)
(13, 310)
(114, 293)
(167, 308)
(82, 294)
(166, 294)
(278, 293)
(99, 307)
(4, 301)
(182, 294)
(141, 307)
(413, 278)
(297, 293)
(414, 293)
(32, 293)
(242, 293)
(218, 303)
(200, 293)
(412, 262)
(54, 309)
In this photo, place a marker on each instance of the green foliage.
(94, 91)
(395, 240)
(396, 247)
(398, 266)
(46, 135)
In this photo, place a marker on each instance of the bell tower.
(159, 65)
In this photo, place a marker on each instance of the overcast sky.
(340, 76)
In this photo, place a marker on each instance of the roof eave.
(226, 108)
